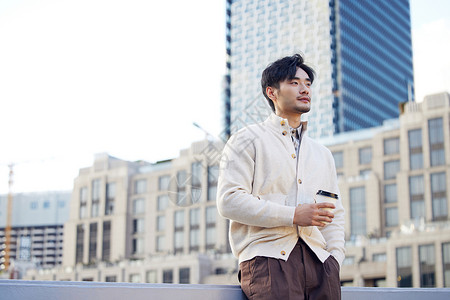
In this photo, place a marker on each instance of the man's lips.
(303, 99)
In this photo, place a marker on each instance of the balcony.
(52, 290)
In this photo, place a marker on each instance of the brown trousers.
(303, 276)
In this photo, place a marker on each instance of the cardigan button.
(284, 132)
(300, 181)
(283, 252)
(282, 123)
(293, 156)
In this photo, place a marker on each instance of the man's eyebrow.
(296, 78)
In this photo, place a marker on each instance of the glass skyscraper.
(360, 49)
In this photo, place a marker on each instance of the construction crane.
(9, 210)
(8, 226)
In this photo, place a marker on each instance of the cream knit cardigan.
(261, 181)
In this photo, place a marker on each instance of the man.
(288, 246)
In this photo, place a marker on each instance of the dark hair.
(282, 69)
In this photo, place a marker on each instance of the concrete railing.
(69, 290)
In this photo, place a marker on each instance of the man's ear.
(271, 93)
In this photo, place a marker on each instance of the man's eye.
(294, 82)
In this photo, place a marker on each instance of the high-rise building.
(361, 51)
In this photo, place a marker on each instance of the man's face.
(294, 95)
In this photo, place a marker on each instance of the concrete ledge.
(68, 290)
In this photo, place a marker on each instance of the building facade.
(394, 181)
(361, 51)
(141, 222)
(37, 228)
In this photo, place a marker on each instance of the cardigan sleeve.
(235, 200)
(334, 232)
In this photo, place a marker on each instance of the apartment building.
(37, 228)
(142, 222)
(394, 181)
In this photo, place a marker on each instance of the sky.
(130, 78)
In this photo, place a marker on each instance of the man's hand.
(313, 214)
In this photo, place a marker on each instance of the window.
(415, 149)
(167, 276)
(135, 278)
(46, 205)
(358, 211)
(391, 169)
(95, 197)
(79, 251)
(427, 268)
(184, 275)
(194, 236)
(338, 159)
(181, 188)
(439, 195)
(83, 202)
(137, 246)
(163, 183)
(34, 205)
(380, 257)
(391, 146)
(404, 267)
(110, 196)
(416, 196)
(436, 136)
(194, 233)
(151, 276)
(365, 173)
(160, 223)
(110, 278)
(213, 175)
(92, 242)
(179, 219)
(106, 249)
(140, 186)
(446, 263)
(390, 193)
(348, 261)
(179, 231)
(163, 202)
(194, 217)
(138, 206)
(391, 216)
(210, 237)
(211, 215)
(365, 155)
(160, 243)
(196, 181)
(138, 225)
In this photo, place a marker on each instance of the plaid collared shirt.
(296, 137)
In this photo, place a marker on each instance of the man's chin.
(303, 110)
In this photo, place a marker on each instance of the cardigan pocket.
(317, 237)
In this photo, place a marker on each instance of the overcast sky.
(130, 77)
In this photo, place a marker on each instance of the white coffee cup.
(326, 197)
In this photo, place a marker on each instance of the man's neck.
(294, 120)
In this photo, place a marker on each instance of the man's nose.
(303, 89)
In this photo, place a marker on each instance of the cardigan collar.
(282, 125)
